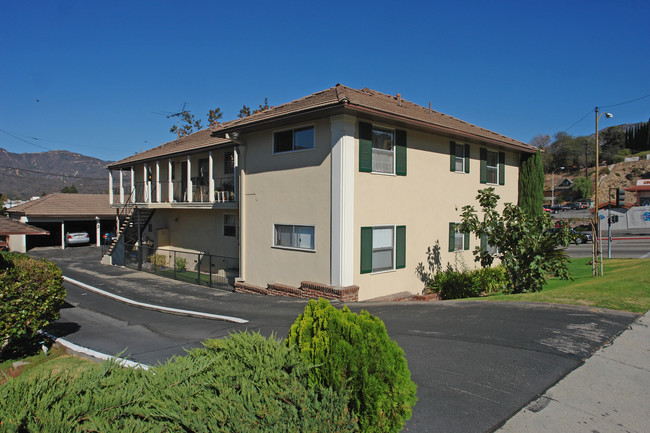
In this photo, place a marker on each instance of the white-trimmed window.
(230, 225)
(383, 248)
(459, 154)
(294, 139)
(492, 167)
(294, 236)
(383, 150)
(458, 241)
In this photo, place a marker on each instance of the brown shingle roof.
(196, 141)
(66, 205)
(379, 104)
(10, 226)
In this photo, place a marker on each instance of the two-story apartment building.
(343, 187)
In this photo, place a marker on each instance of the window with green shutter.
(493, 167)
(458, 157)
(382, 150)
(502, 168)
(457, 240)
(383, 248)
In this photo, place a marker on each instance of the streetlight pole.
(607, 115)
(553, 185)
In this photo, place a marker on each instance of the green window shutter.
(400, 152)
(483, 165)
(467, 158)
(366, 250)
(466, 241)
(502, 168)
(483, 242)
(365, 147)
(400, 247)
(452, 156)
(452, 237)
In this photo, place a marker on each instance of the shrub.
(354, 352)
(245, 383)
(455, 284)
(180, 263)
(158, 260)
(31, 295)
(490, 279)
(604, 170)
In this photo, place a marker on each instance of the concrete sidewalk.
(609, 393)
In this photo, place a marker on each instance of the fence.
(198, 268)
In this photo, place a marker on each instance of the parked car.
(577, 237)
(108, 237)
(77, 238)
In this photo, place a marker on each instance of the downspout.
(240, 191)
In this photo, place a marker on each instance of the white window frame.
(461, 157)
(296, 247)
(293, 140)
(392, 151)
(490, 167)
(457, 234)
(229, 225)
(393, 248)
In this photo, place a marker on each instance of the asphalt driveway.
(475, 363)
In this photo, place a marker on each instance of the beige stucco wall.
(287, 188)
(425, 201)
(193, 229)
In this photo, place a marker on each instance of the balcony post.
(170, 190)
(235, 167)
(145, 181)
(121, 186)
(132, 193)
(110, 186)
(189, 180)
(210, 177)
(158, 194)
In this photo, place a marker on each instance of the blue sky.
(98, 78)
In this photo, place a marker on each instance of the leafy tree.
(582, 187)
(244, 112)
(69, 189)
(541, 141)
(214, 116)
(187, 124)
(527, 245)
(531, 184)
(612, 143)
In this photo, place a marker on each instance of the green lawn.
(624, 286)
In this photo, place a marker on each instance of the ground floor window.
(230, 225)
(294, 236)
(458, 240)
(383, 248)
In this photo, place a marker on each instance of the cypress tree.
(531, 184)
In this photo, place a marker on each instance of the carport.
(10, 227)
(59, 214)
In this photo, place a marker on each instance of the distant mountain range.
(24, 175)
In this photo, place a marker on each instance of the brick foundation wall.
(307, 289)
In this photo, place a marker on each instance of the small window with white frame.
(294, 140)
(383, 150)
(230, 225)
(294, 236)
(460, 158)
(383, 250)
(492, 167)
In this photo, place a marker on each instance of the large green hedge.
(353, 351)
(245, 383)
(31, 295)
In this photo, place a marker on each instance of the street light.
(608, 116)
(553, 185)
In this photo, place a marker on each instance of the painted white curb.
(154, 307)
(93, 353)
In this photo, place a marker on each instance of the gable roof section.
(10, 226)
(193, 142)
(65, 205)
(375, 104)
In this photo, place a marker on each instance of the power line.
(24, 141)
(626, 102)
(578, 121)
(51, 174)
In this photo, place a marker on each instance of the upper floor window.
(294, 139)
(459, 154)
(493, 167)
(382, 150)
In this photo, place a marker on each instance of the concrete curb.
(93, 353)
(159, 308)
